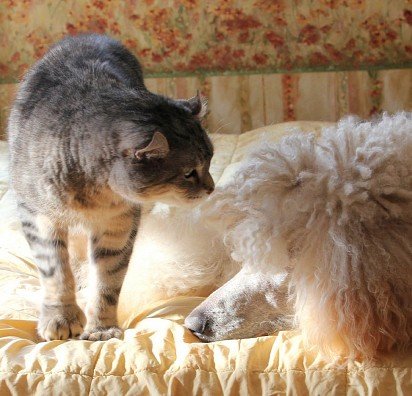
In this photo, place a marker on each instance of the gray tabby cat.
(88, 144)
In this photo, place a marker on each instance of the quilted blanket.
(158, 356)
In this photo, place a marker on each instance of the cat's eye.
(190, 174)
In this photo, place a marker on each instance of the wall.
(251, 57)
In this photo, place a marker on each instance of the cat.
(89, 144)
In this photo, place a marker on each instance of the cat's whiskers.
(222, 126)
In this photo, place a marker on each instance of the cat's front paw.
(60, 322)
(101, 333)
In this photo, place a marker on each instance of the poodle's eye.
(192, 173)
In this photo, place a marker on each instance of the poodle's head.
(248, 305)
(338, 212)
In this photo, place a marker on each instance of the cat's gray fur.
(88, 144)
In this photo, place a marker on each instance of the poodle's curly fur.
(338, 210)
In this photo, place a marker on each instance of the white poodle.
(323, 229)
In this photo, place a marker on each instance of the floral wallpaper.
(214, 36)
(251, 58)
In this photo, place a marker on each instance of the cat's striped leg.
(60, 316)
(110, 252)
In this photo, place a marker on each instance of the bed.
(158, 356)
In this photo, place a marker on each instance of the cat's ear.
(157, 148)
(196, 105)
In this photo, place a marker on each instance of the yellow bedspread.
(158, 356)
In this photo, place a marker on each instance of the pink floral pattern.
(194, 36)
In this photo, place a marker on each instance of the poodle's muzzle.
(249, 304)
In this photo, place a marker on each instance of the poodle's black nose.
(197, 324)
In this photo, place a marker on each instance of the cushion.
(158, 355)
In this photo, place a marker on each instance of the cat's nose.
(197, 324)
(209, 190)
(208, 183)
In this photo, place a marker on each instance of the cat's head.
(164, 154)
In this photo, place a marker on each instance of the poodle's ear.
(157, 148)
(196, 105)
